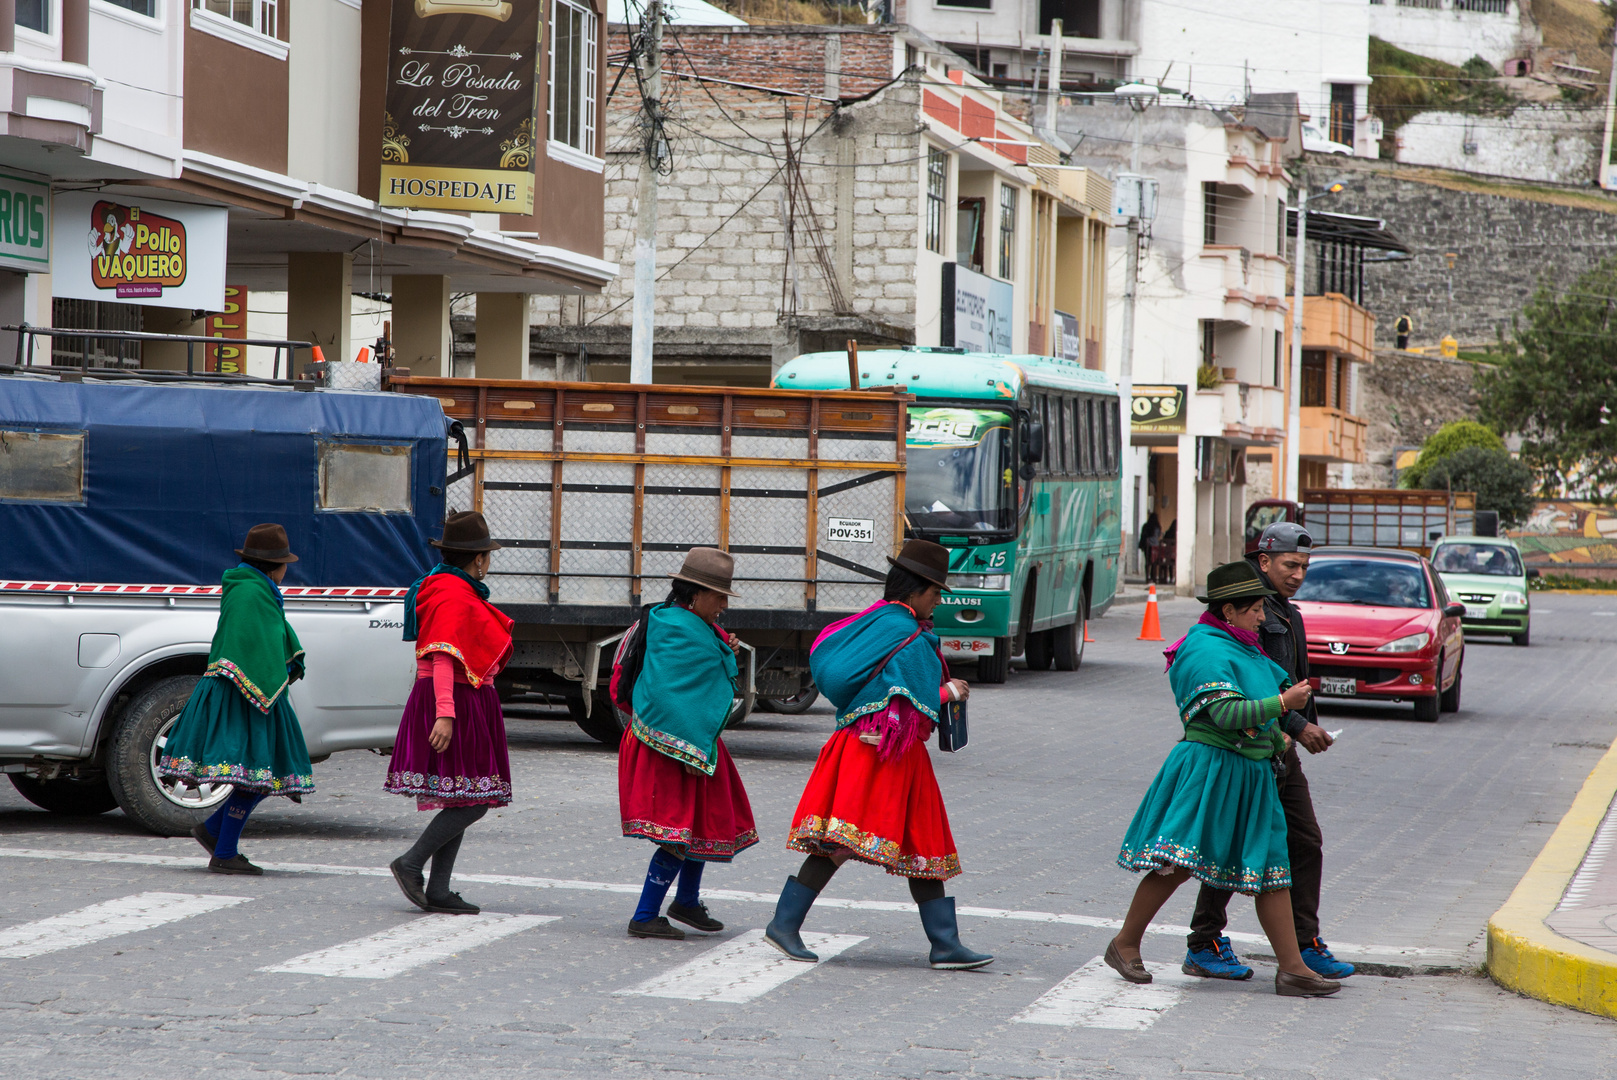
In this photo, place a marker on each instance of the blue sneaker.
(1220, 964)
(1320, 961)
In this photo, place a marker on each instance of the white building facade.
(1211, 356)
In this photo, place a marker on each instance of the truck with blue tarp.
(121, 503)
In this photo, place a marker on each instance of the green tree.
(1448, 439)
(1501, 482)
(1557, 381)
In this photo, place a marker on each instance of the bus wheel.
(1070, 639)
(994, 669)
(1040, 650)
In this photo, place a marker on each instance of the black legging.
(816, 872)
(440, 842)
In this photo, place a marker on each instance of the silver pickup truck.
(120, 504)
(95, 676)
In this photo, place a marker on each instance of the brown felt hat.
(709, 568)
(267, 543)
(465, 531)
(926, 560)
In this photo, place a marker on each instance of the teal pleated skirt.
(1216, 814)
(222, 739)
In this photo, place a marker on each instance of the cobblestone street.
(1427, 830)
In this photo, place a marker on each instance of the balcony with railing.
(1335, 323)
(1331, 435)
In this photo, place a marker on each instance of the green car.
(1485, 574)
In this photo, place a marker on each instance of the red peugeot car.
(1381, 626)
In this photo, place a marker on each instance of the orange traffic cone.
(1150, 627)
(319, 357)
(1087, 639)
(363, 356)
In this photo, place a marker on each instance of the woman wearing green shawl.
(239, 728)
(677, 785)
(1213, 812)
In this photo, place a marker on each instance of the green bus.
(1012, 463)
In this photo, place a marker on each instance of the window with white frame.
(259, 15)
(1007, 231)
(572, 76)
(35, 15)
(937, 192)
(147, 8)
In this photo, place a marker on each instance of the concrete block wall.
(721, 230)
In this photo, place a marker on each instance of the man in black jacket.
(1282, 561)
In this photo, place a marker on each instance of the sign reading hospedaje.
(462, 101)
(138, 251)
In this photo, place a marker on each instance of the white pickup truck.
(120, 505)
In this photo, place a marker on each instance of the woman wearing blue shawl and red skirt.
(873, 796)
(1213, 811)
(450, 754)
(677, 785)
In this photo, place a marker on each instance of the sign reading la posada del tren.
(462, 102)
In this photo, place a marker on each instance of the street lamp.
(1294, 414)
(1138, 97)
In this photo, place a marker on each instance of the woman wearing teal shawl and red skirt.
(239, 728)
(1213, 812)
(872, 795)
(677, 785)
(450, 753)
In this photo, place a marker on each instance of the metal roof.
(1327, 228)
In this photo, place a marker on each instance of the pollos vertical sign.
(462, 102)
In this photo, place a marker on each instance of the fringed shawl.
(686, 687)
(254, 646)
(841, 661)
(448, 611)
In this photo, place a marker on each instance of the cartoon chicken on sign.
(110, 238)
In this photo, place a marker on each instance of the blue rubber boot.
(938, 919)
(783, 931)
(1320, 961)
(1216, 964)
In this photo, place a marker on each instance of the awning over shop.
(1340, 242)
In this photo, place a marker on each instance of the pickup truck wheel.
(67, 795)
(165, 806)
(605, 723)
(994, 669)
(796, 705)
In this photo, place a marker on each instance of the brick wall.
(722, 242)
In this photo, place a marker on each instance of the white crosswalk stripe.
(111, 918)
(1098, 997)
(739, 970)
(409, 945)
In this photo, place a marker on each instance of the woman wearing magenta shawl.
(239, 728)
(873, 796)
(450, 754)
(677, 785)
(1213, 812)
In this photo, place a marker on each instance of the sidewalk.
(1133, 593)
(1556, 937)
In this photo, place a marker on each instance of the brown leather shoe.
(1132, 970)
(1310, 985)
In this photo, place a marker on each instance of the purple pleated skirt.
(475, 769)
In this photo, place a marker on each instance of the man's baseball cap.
(1284, 536)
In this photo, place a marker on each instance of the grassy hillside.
(1406, 83)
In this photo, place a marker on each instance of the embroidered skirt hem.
(707, 818)
(886, 813)
(1218, 815)
(473, 770)
(221, 738)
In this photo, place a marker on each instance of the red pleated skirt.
(707, 817)
(887, 813)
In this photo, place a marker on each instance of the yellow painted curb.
(1527, 956)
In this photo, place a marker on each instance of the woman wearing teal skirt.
(239, 728)
(1213, 812)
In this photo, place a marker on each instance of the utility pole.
(1053, 98)
(1294, 392)
(1139, 203)
(1606, 179)
(652, 153)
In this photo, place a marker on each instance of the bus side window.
(1091, 466)
(1063, 424)
(1113, 433)
(1047, 465)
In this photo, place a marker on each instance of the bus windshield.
(962, 474)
